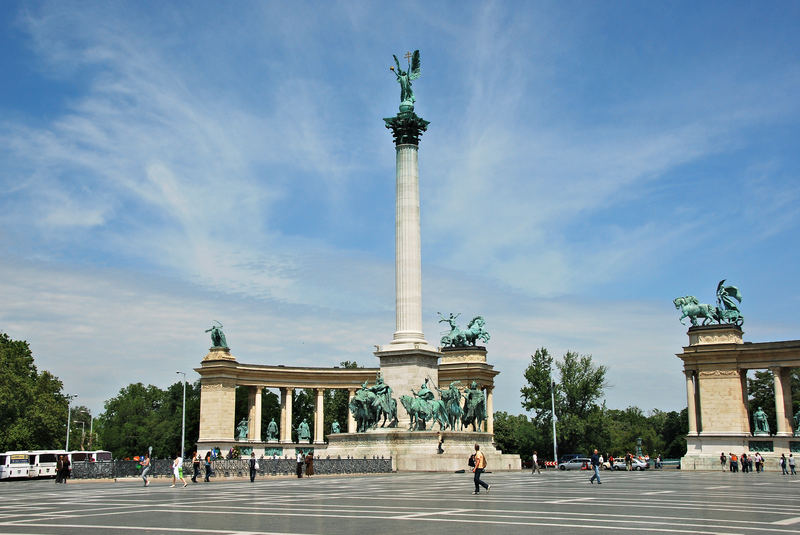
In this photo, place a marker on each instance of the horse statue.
(364, 412)
(474, 408)
(691, 308)
(418, 410)
(457, 338)
(451, 397)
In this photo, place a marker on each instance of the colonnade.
(703, 396)
(254, 413)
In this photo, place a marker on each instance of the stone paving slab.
(552, 502)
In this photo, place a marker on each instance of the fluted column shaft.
(691, 401)
(408, 260)
(351, 422)
(783, 400)
(319, 417)
(254, 414)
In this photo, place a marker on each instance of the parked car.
(576, 463)
(636, 464)
(568, 457)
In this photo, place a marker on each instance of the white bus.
(91, 456)
(43, 462)
(14, 464)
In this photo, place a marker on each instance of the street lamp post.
(69, 414)
(83, 433)
(553, 409)
(183, 413)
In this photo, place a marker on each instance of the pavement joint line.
(787, 521)
(657, 492)
(418, 515)
(180, 530)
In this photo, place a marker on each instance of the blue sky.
(166, 165)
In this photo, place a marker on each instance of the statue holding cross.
(404, 78)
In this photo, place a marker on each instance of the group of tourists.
(177, 468)
(305, 461)
(733, 463)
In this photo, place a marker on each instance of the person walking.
(65, 469)
(791, 465)
(723, 460)
(195, 466)
(758, 460)
(745, 466)
(146, 469)
(595, 468)
(300, 461)
(177, 471)
(784, 471)
(208, 466)
(480, 466)
(59, 468)
(253, 466)
(309, 464)
(535, 467)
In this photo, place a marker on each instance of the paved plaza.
(554, 502)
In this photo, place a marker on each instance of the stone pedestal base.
(417, 451)
(703, 451)
(404, 368)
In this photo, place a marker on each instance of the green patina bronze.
(303, 431)
(424, 407)
(463, 338)
(451, 398)
(761, 446)
(407, 126)
(241, 430)
(217, 336)
(272, 430)
(760, 424)
(373, 405)
(273, 452)
(797, 424)
(335, 428)
(474, 407)
(726, 312)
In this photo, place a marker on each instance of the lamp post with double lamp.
(69, 422)
(183, 413)
(553, 408)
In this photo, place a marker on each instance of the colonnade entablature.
(220, 374)
(715, 364)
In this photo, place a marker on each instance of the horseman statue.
(424, 407)
(370, 404)
(726, 312)
(451, 398)
(474, 407)
(462, 338)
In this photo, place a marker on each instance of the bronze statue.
(272, 430)
(217, 336)
(404, 78)
(241, 430)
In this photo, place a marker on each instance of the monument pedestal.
(417, 451)
(404, 368)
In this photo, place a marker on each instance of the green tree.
(579, 419)
(336, 402)
(517, 434)
(33, 407)
(143, 416)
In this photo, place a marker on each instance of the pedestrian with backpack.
(478, 461)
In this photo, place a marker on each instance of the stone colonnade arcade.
(220, 374)
(715, 363)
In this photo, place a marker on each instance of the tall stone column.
(319, 417)
(490, 409)
(286, 414)
(254, 413)
(691, 401)
(351, 422)
(783, 400)
(408, 360)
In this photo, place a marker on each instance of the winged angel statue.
(404, 78)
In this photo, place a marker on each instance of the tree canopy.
(33, 407)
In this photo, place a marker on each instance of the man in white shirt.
(535, 467)
(300, 459)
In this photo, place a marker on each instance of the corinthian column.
(690, 401)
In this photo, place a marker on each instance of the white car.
(636, 464)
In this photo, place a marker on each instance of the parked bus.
(91, 456)
(43, 462)
(14, 464)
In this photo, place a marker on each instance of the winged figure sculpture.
(404, 78)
